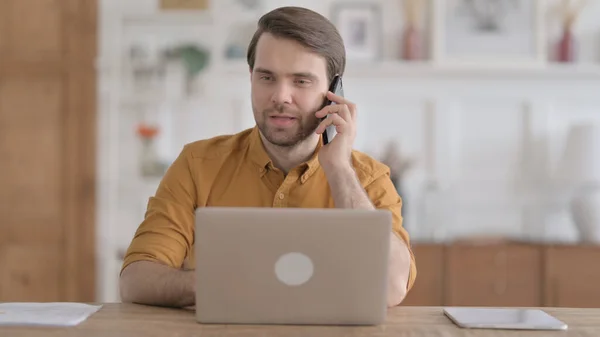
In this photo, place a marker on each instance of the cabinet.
(505, 274)
(493, 275)
(428, 289)
(572, 276)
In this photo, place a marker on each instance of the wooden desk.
(136, 320)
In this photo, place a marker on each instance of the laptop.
(503, 318)
(291, 266)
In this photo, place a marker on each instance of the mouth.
(282, 117)
(282, 120)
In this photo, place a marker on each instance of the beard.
(304, 126)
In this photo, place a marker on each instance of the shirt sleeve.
(383, 194)
(166, 234)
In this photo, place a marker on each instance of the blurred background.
(486, 111)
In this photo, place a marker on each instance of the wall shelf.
(399, 69)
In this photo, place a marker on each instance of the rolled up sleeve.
(383, 194)
(166, 234)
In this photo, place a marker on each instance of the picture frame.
(184, 5)
(359, 24)
(511, 36)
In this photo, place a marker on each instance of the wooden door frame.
(76, 67)
(81, 25)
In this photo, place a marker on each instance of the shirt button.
(281, 196)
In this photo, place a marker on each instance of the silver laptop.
(291, 266)
(503, 318)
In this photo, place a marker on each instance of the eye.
(266, 78)
(302, 82)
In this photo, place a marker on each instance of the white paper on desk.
(47, 313)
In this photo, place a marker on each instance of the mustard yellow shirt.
(235, 170)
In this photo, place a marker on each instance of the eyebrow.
(298, 74)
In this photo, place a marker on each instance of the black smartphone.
(337, 88)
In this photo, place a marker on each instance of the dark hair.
(307, 27)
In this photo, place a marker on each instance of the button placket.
(281, 196)
(280, 199)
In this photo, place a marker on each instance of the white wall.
(487, 141)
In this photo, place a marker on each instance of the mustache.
(280, 109)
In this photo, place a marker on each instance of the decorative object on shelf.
(149, 65)
(566, 46)
(359, 25)
(195, 59)
(235, 52)
(184, 4)
(508, 33)
(250, 5)
(238, 39)
(411, 37)
(579, 172)
(399, 165)
(150, 163)
(147, 68)
(489, 15)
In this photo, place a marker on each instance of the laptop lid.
(291, 265)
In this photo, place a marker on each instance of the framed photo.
(488, 32)
(183, 4)
(359, 25)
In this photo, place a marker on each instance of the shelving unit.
(419, 105)
(401, 69)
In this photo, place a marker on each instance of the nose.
(282, 93)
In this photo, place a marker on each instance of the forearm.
(399, 270)
(152, 283)
(347, 192)
(346, 189)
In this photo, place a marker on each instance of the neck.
(286, 158)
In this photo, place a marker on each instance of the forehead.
(286, 56)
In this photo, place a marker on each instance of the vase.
(585, 211)
(410, 43)
(150, 165)
(566, 46)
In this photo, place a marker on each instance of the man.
(281, 162)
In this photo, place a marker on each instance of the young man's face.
(289, 84)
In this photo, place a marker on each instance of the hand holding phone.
(337, 88)
(336, 114)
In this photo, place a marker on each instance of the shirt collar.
(257, 152)
(259, 156)
(313, 163)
